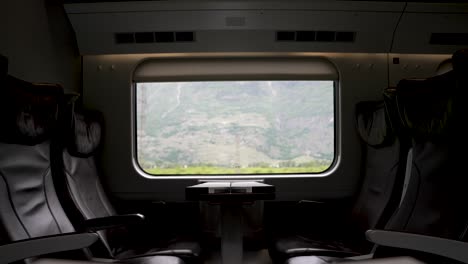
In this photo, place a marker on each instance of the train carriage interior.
(233, 131)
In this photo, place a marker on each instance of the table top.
(225, 191)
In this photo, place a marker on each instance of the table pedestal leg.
(231, 234)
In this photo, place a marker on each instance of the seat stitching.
(12, 205)
(47, 200)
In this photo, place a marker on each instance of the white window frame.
(238, 69)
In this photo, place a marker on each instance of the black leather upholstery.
(436, 191)
(383, 154)
(384, 158)
(143, 260)
(28, 111)
(298, 245)
(84, 188)
(327, 260)
(313, 260)
(29, 206)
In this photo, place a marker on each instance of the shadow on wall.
(40, 43)
(64, 43)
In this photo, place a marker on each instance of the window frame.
(336, 133)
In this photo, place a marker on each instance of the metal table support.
(231, 196)
(231, 233)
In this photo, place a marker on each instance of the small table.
(231, 195)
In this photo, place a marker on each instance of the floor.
(250, 257)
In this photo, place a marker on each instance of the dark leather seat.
(385, 157)
(29, 206)
(433, 201)
(323, 260)
(81, 188)
(142, 260)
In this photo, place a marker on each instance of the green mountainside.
(265, 126)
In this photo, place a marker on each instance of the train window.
(235, 127)
(236, 116)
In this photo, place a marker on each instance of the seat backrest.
(29, 206)
(79, 181)
(82, 174)
(432, 203)
(433, 110)
(383, 152)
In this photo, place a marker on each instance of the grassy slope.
(222, 170)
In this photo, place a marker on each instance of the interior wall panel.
(373, 23)
(414, 66)
(414, 32)
(107, 80)
(145, 6)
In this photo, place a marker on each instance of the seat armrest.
(448, 248)
(23, 249)
(101, 223)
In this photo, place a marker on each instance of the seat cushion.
(153, 260)
(144, 260)
(326, 260)
(313, 260)
(296, 245)
(186, 248)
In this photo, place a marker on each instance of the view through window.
(235, 127)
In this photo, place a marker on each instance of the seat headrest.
(28, 112)
(373, 124)
(425, 106)
(85, 133)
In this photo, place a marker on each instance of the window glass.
(235, 127)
